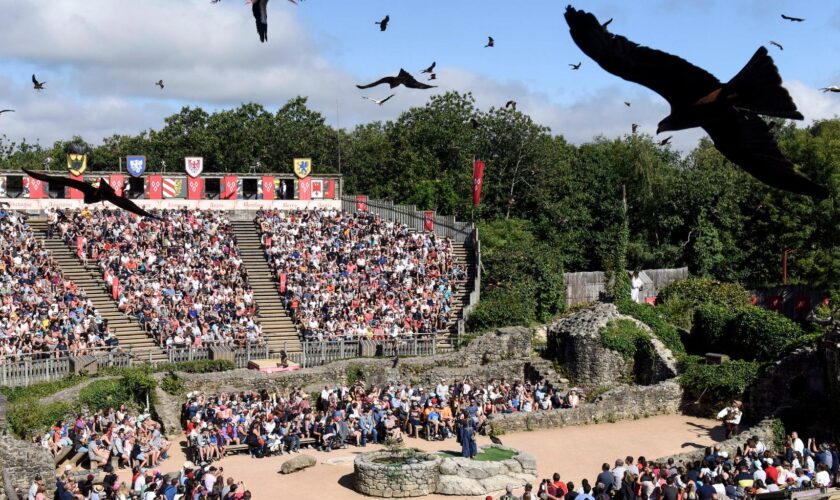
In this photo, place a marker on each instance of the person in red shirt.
(771, 471)
(559, 485)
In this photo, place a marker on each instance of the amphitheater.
(624, 409)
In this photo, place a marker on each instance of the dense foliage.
(719, 383)
(702, 290)
(623, 336)
(652, 317)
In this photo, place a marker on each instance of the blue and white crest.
(136, 165)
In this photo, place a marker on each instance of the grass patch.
(41, 390)
(491, 454)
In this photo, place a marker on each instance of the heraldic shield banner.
(194, 165)
(302, 167)
(136, 165)
(76, 163)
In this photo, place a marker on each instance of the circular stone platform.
(381, 474)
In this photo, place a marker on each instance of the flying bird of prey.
(475, 123)
(495, 440)
(511, 104)
(832, 88)
(777, 44)
(36, 84)
(380, 101)
(728, 112)
(104, 192)
(6, 111)
(383, 24)
(430, 68)
(159, 83)
(403, 78)
(576, 66)
(604, 25)
(627, 103)
(261, 18)
(666, 140)
(433, 76)
(634, 126)
(490, 42)
(793, 19)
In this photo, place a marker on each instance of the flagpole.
(472, 210)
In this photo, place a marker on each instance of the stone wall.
(23, 460)
(626, 402)
(465, 477)
(576, 342)
(764, 430)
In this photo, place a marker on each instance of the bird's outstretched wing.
(34, 80)
(390, 80)
(6, 111)
(110, 195)
(745, 139)
(675, 79)
(55, 180)
(409, 81)
(383, 101)
(261, 18)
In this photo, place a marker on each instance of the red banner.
(361, 203)
(775, 303)
(75, 194)
(268, 187)
(283, 283)
(802, 304)
(117, 181)
(195, 188)
(329, 189)
(80, 246)
(154, 187)
(229, 186)
(36, 188)
(478, 180)
(115, 288)
(429, 220)
(305, 188)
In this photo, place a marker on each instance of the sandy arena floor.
(574, 452)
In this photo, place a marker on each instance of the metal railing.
(317, 353)
(474, 244)
(444, 225)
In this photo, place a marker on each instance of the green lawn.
(491, 454)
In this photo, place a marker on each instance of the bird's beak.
(659, 129)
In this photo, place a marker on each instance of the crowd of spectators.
(357, 276)
(181, 276)
(42, 314)
(281, 421)
(754, 469)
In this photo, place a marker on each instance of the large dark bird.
(433, 76)
(666, 141)
(576, 66)
(159, 83)
(383, 24)
(634, 126)
(495, 440)
(728, 112)
(794, 19)
(627, 103)
(36, 84)
(6, 111)
(261, 18)
(430, 68)
(832, 88)
(777, 44)
(475, 123)
(490, 42)
(403, 78)
(92, 194)
(511, 104)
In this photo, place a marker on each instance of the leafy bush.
(28, 417)
(354, 372)
(761, 334)
(173, 384)
(101, 394)
(706, 291)
(709, 331)
(41, 390)
(502, 307)
(720, 383)
(623, 336)
(664, 331)
(199, 366)
(678, 311)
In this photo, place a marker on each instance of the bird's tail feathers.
(758, 88)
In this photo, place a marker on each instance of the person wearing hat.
(97, 492)
(731, 417)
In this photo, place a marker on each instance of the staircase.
(464, 257)
(278, 329)
(126, 329)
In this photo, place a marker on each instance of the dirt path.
(574, 452)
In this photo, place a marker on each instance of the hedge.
(706, 291)
(760, 334)
(624, 337)
(664, 331)
(710, 327)
(718, 383)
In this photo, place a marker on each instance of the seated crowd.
(752, 470)
(181, 276)
(283, 420)
(42, 313)
(355, 275)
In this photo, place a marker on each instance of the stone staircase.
(89, 279)
(464, 256)
(278, 329)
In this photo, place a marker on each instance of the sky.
(100, 59)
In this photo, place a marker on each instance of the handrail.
(444, 225)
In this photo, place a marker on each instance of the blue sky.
(101, 57)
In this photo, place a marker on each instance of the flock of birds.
(729, 112)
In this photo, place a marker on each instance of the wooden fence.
(28, 369)
(794, 301)
(321, 353)
(590, 286)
